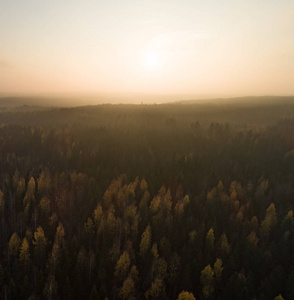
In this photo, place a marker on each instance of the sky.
(181, 49)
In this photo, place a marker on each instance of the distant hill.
(245, 111)
(251, 100)
(40, 102)
(21, 104)
(35, 102)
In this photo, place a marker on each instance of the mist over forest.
(8, 102)
(183, 200)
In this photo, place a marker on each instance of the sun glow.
(151, 60)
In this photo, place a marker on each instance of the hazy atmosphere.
(147, 150)
(147, 50)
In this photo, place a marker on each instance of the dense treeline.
(144, 207)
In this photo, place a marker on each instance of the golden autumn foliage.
(14, 244)
(156, 290)
(186, 296)
(24, 255)
(122, 265)
(145, 241)
(212, 218)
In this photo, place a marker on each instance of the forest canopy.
(174, 201)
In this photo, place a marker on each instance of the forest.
(187, 200)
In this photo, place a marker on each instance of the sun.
(151, 60)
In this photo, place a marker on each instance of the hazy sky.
(183, 47)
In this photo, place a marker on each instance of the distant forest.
(174, 201)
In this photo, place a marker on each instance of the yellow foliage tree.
(40, 243)
(98, 213)
(269, 222)
(154, 250)
(186, 296)
(122, 265)
(210, 240)
(127, 290)
(160, 268)
(218, 269)
(24, 255)
(207, 281)
(225, 248)
(156, 290)
(14, 244)
(252, 239)
(30, 193)
(145, 241)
